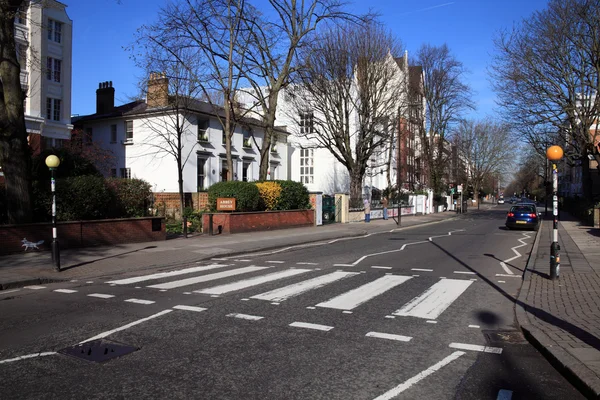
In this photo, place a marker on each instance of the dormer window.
(203, 130)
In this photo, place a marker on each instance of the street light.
(554, 153)
(53, 162)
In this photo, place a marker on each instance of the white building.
(43, 35)
(137, 132)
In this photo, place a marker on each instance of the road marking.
(390, 316)
(431, 322)
(243, 260)
(420, 376)
(206, 278)
(129, 325)
(48, 353)
(219, 259)
(307, 263)
(9, 291)
(434, 300)
(138, 287)
(343, 265)
(505, 268)
(68, 291)
(379, 267)
(311, 308)
(140, 301)
(509, 276)
(355, 297)
(421, 269)
(346, 312)
(245, 316)
(73, 280)
(504, 394)
(464, 272)
(389, 336)
(501, 281)
(190, 308)
(246, 283)
(295, 289)
(476, 347)
(187, 292)
(245, 299)
(311, 326)
(35, 287)
(415, 275)
(101, 296)
(169, 274)
(274, 262)
(514, 249)
(474, 326)
(90, 282)
(275, 303)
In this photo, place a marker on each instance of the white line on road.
(476, 347)
(190, 308)
(275, 262)
(101, 296)
(431, 322)
(48, 353)
(505, 268)
(242, 260)
(169, 274)
(295, 289)
(35, 287)
(379, 267)
(311, 326)
(343, 265)
(501, 281)
(246, 283)
(68, 291)
(219, 259)
(307, 263)
(206, 278)
(474, 326)
(421, 269)
(420, 376)
(390, 316)
(504, 394)
(129, 325)
(140, 301)
(245, 316)
(434, 300)
(464, 272)
(389, 336)
(9, 291)
(509, 276)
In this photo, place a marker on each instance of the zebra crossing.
(428, 305)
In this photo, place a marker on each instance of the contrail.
(428, 8)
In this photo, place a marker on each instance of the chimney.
(105, 98)
(158, 90)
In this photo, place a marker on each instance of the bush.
(133, 197)
(294, 196)
(83, 197)
(269, 194)
(246, 194)
(3, 205)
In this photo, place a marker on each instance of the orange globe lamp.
(554, 153)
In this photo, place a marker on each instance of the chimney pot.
(105, 98)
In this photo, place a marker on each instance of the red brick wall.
(81, 233)
(258, 221)
(169, 202)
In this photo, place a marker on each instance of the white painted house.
(135, 133)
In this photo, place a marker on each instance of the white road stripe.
(206, 278)
(343, 265)
(295, 289)
(243, 260)
(504, 394)
(434, 300)
(476, 347)
(34, 287)
(68, 291)
(275, 262)
(307, 263)
(25, 357)
(246, 283)
(311, 326)
(355, 297)
(9, 291)
(101, 296)
(431, 322)
(378, 267)
(505, 267)
(389, 336)
(245, 316)
(219, 259)
(122, 328)
(169, 274)
(421, 269)
(420, 376)
(509, 276)
(190, 308)
(140, 301)
(474, 326)
(464, 272)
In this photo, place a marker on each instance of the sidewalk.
(36, 267)
(562, 317)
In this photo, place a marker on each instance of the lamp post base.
(56, 255)
(554, 261)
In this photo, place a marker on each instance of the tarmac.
(561, 317)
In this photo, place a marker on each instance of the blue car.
(523, 216)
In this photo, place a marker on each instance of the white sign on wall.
(319, 210)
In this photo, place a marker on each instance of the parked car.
(501, 200)
(523, 216)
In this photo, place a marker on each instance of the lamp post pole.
(53, 162)
(554, 153)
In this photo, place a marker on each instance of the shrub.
(132, 196)
(3, 205)
(294, 196)
(246, 195)
(83, 197)
(269, 194)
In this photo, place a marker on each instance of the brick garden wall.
(168, 203)
(258, 221)
(83, 233)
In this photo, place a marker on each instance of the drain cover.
(514, 337)
(99, 350)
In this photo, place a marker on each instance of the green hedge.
(246, 194)
(294, 196)
(133, 196)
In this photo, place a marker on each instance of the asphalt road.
(420, 313)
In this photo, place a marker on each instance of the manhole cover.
(514, 337)
(99, 350)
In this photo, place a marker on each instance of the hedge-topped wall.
(261, 195)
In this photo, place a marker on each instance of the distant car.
(513, 200)
(501, 200)
(523, 216)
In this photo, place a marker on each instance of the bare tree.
(447, 96)
(547, 75)
(349, 95)
(483, 144)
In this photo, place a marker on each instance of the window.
(247, 134)
(113, 172)
(126, 173)
(53, 67)
(129, 131)
(306, 123)
(274, 144)
(54, 31)
(245, 169)
(53, 109)
(21, 16)
(224, 138)
(203, 130)
(201, 173)
(224, 171)
(113, 133)
(87, 138)
(306, 165)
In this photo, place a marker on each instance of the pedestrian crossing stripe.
(296, 289)
(161, 275)
(246, 283)
(206, 278)
(434, 300)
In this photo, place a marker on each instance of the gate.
(328, 209)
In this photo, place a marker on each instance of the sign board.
(319, 209)
(459, 189)
(226, 204)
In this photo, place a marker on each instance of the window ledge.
(127, 142)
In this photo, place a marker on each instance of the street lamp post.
(554, 153)
(53, 162)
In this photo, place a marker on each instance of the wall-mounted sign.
(226, 204)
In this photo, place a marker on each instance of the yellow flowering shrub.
(269, 194)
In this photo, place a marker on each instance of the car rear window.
(522, 209)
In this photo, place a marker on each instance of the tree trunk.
(15, 155)
(356, 183)
(181, 197)
(264, 153)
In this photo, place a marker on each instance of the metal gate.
(328, 209)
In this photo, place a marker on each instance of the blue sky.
(103, 28)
